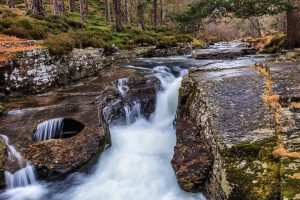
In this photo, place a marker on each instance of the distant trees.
(118, 15)
(10, 3)
(83, 9)
(141, 4)
(126, 12)
(200, 10)
(154, 13)
(58, 7)
(71, 5)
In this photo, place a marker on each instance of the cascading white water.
(49, 129)
(20, 178)
(132, 113)
(122, 86)
(25, 175)
(137, 165)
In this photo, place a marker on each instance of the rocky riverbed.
(237, 123)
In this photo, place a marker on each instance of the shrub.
(6, 23)
(60, 44)
(145, 40)
(166, 42)
(23, 28)
(183, 38)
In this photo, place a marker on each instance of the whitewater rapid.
(137, 165)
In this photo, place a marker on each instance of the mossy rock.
(253, 171)
(3, 155)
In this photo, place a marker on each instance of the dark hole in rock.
(57, 128)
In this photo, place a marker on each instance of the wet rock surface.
(232, 125)
(96, 103)
(224, 51)
(57, 158)
(153, 51)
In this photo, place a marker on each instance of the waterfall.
(49, 129)
(20, 178)
(132, 113)
(25, 175)
(137, 165)
(122, 86)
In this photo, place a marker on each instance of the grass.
(63, 33)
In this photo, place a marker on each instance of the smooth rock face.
(183, 49)
(222, 53)
(217, 109)
(223, 112)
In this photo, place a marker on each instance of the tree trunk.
(281, 22)
(37, 7)
(26, 4)
(58, 7)
(154, 10)
(293, 27)
(118, 15)
(127, 16)
(71, 5)
(140, 15)
(107, 11)
(10, 3)
(256, 26)
(161, 12)
(83, 9)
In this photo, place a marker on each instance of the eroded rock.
(224, 110)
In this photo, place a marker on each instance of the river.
(137, 165)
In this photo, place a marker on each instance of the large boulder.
(225, 135)
(57, 158)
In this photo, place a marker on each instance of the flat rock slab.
(223, 53)
(230, 122)
(234, 98)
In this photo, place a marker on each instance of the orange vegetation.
(295, 176)
(281, 151)
(9, 45)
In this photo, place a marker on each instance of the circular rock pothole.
(57, 128)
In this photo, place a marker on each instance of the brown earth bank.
(238, 132)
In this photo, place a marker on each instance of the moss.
(252, 170)
(60, 44)
(3, 154)
(290, 188)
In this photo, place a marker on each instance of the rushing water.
(49, 129)
(137, 166)
(25, 175)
